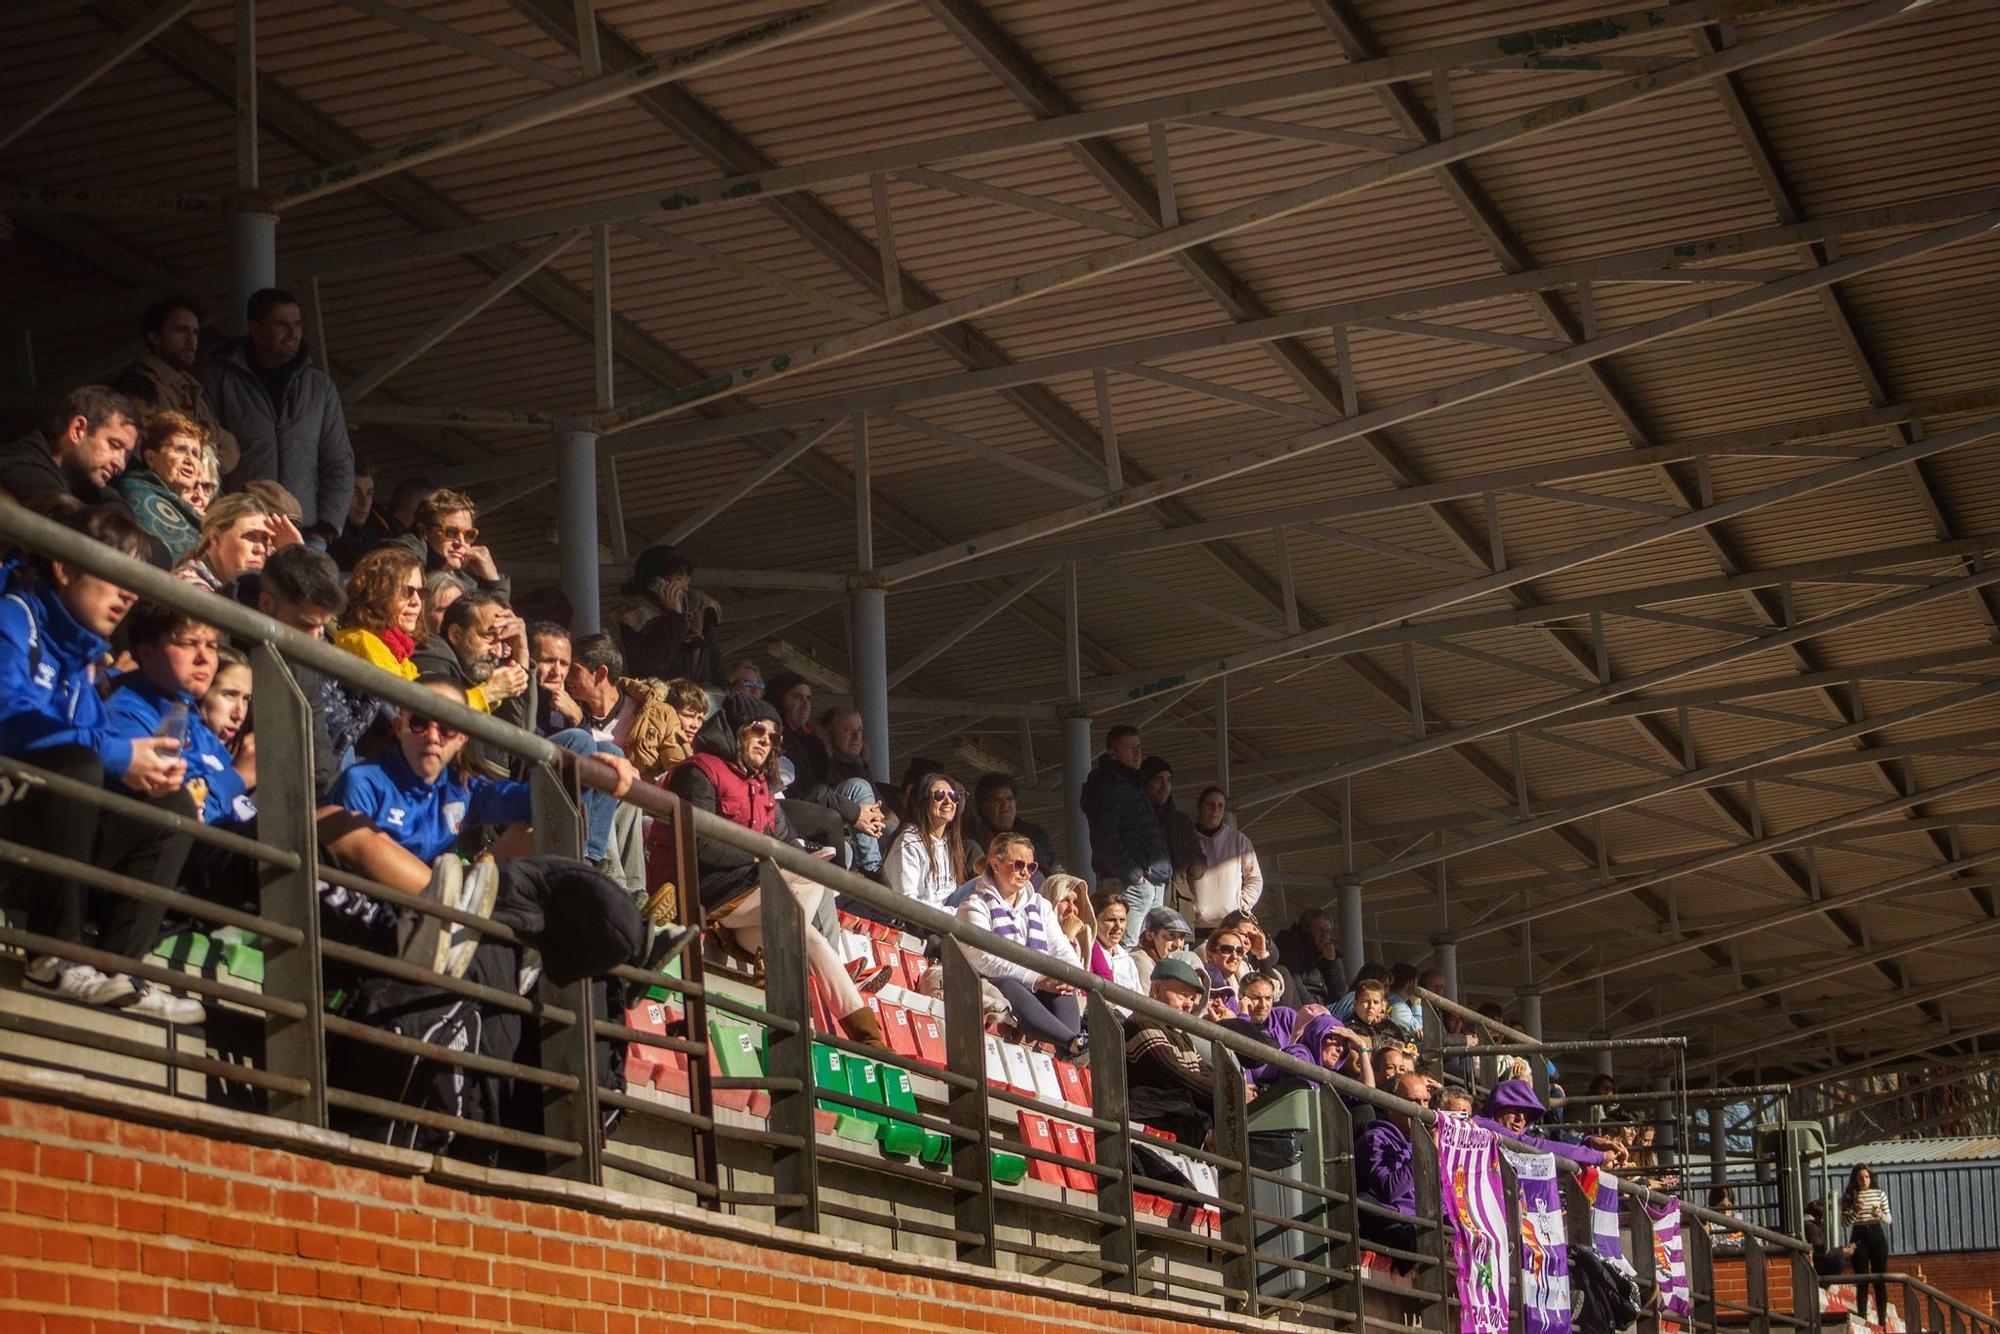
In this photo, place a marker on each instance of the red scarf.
(398, 643)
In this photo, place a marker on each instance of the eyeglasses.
(412, 592)
(1024, 867)
(1227, 949)
(944, 796)
(748, 683)
(432, 725)
(466, 535)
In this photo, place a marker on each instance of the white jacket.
(1231, 880)
(977, 910)
(920, 868)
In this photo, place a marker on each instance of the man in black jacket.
(81, 446)
(1310, 948)
(1127, 847)
(300, 587)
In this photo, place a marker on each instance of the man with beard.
(481, 643)
(163, 379)
(286, 414)
(81, 447)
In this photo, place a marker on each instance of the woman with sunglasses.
(385, 601)
(1003, 902)
(926, 858)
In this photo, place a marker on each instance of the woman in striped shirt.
(1865, 1210)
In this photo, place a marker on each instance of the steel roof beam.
(1874, 1005)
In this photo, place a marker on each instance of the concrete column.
(1445, 956)
(1076, 768)
(576, 538)
(1604, 1063)
(868, 650)
(1718, 1144)
(1352, 940)
(1531, 1013)
(253, 263)
(1670, 1134)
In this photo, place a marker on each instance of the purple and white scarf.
(1545, 1294)
(1469, 1180)
(1604, 1234)
(1024, 927)
(1670, 1260)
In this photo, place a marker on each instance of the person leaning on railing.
(1385, 1170)
(54, 627)
(1169, 1086)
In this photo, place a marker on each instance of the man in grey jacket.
(285, 413)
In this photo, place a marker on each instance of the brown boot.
(864, 1027)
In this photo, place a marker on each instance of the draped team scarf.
(1545, 1294)
(1470, 1181)
(1004, 922)
(1670, 1260)
(1604, 1235)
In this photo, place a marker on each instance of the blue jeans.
(1140, 897)
(598, 807)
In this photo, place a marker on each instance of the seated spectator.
(846, 744)
(997, 807)
(1169, 1086)
(1406, 1007)
(163, 379)
(1467, 1067)
(1334, 1046)
(1828, 1261)
(206, 484)
(1309, 949)
(225, 711)
(870, 822)
(672, 632)
(360, 505)
(1385, 1171)
(385, 598)
(1225, 877)
(655, 725)
(238, 534)
(1227, 961)
(285, 413)
(1127, 847)
(277, 498)
(1369, 1008)
(1393, 1058)
(1274, 1025)
(1003, 902)
(549, 651)
(446, 527)
(82, 445)
(1259, 954)
(441, 589)
(747, 677)
(483, 648)
(792, 695)
(925, 860)
(382, 524)
(1512, 1107)
(1109, 906)
(729, 774)
(1069, 898)
(300, 588)
(55, 623)
(1455, 1100)
(170, 449)
(1372, 977)
(1164, 932)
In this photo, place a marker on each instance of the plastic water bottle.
(173, 725)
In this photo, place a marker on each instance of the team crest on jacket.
(454, 815)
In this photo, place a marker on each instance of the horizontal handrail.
(1971, 1313)
(37, 533)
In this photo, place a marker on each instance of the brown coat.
(154, 385)
(655, 743)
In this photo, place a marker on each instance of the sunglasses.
(1228, 949)
(749, 683)
(411, 592)
(1024, 867)
(433, 726)
(944, 797)
(467, 535)
(763, 730)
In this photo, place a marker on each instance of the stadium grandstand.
(1450, 788)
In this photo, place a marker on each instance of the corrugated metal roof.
(1942, 1149)
(1896, 112)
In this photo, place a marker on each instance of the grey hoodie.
(300, 443)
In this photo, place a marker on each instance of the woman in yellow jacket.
(385, 605)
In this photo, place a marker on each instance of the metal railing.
(1281, 1240)
(1924, 1308)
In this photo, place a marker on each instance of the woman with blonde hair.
(238, 534)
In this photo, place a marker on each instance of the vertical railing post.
(1342, 1214)
(1757, 1282)
(1118, 1239)
(1648, 1267)
(794, 1170)
(1436, 1242)
(1234, 1184)
(1805, 1292)
(969, 1108)
(286, 802)
(572, 1049)
(1700, 1250)
(694, 1004)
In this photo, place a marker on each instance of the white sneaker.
(80, 982)
(423, 939)
(159, 1003)
(478, 892)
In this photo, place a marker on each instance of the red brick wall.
(1972, 1278)
(110, 1225)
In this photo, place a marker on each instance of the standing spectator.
(163, 379)
(54, 628)
(1225, 877)
(1001, 901)
(792, 695)
(654, 725)
(80, 448)
(1310, 950)
(672, 632)
(285, 413)
(998, 810)
(449, 535)
(1127, 847)
(238, 534)
(747, 677)
(1156, 775)
(1406, 1007)
(170, 453)
(925, 861)
(384, 524)
(1864, 1208)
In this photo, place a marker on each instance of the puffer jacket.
(300, 443)
(714, 779)
(1126, 842)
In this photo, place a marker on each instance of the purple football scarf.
(1604, 1234)
(1470, 1187)
(1670, 1260)
(1545, 1297)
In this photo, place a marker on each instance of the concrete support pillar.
(1352, 941)
(576, 537)
(1669, 1112)
(253, 263)
(1445, 956)
(1076, 768)
(1531, 1013)
(868, 650)
(1718, 1143)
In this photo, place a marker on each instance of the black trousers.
(65, 909)
(1871, 1256)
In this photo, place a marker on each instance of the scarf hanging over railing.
(1670, 1261)
(1469, 1181)
(1545, 1294)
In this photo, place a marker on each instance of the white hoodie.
(1231, 880)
